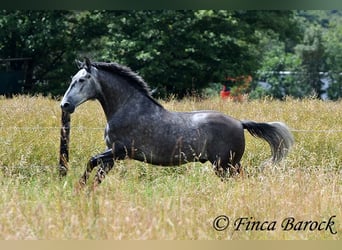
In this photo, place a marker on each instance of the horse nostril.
(65, 105)
(68, 107)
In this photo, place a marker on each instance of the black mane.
(136, 80)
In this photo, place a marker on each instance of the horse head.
(83, 87)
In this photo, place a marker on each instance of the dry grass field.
(140, 201)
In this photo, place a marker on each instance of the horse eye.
(81, 80)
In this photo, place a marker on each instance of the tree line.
(181, 52)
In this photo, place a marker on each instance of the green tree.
(279, 69)
(333, 45)
(320, 50)
(176, 51)
(182, 51)
(53, 39)
(311, 53)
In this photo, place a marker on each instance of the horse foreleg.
(92, 163)
(118, 152)
(106, 157)
(107, 164)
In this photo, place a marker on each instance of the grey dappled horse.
(140, 128)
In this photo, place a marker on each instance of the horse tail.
(276, 134)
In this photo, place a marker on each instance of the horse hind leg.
(228, 170)
(229, 166)
(220, 169)
(236, 170)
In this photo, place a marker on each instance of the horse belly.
(172, 149)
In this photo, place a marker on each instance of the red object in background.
(240, 84)
(224, 93)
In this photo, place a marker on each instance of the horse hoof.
(79, 186)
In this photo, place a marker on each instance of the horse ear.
(79, 64)
(87, 64)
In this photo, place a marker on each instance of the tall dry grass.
(140, 201)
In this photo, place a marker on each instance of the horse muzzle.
(68, 107)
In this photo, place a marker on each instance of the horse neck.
(117, 94)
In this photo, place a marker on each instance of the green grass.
(140, 201)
